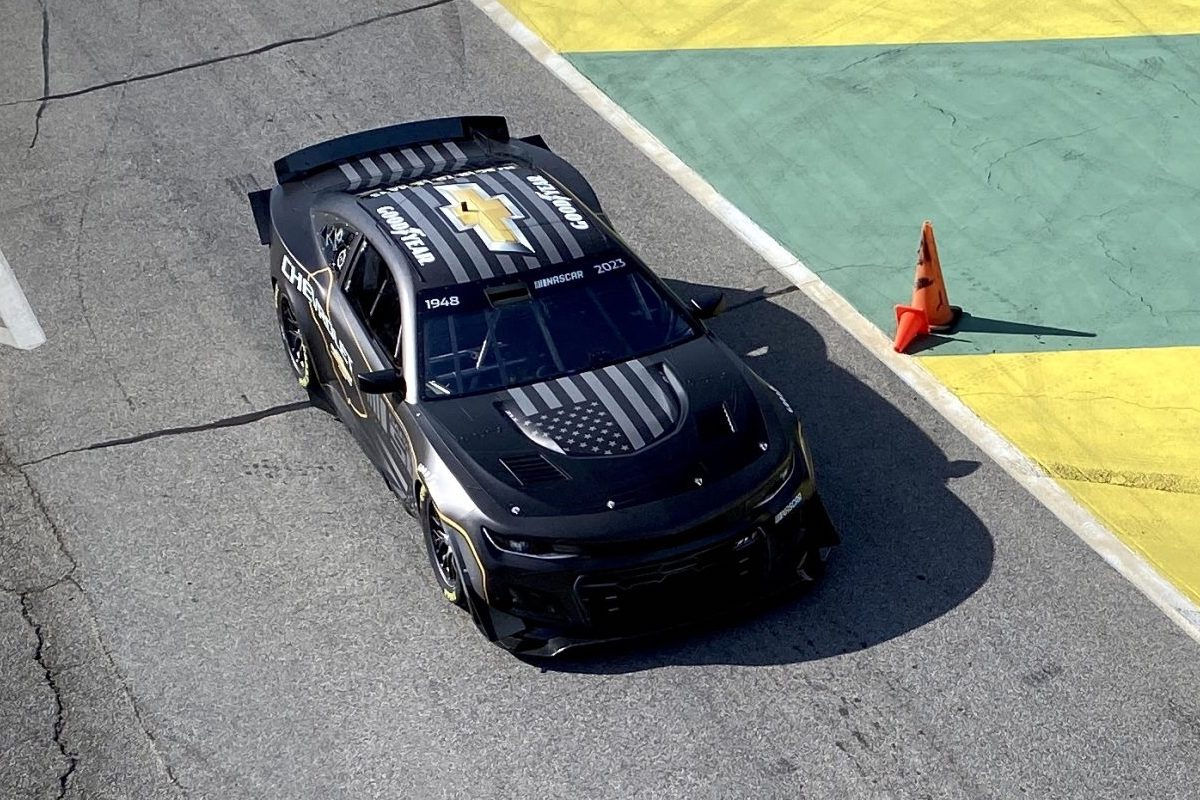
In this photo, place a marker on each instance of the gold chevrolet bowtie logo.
(492, 217)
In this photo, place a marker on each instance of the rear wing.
(316, 158)
(310, 160)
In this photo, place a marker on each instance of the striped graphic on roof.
(614, 410)
(408, 164)
(485, 223)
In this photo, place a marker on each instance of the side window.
(372, 292)
(337, 242)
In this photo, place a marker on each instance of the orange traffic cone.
(911, 322)
(930, 309)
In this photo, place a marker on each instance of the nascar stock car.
(586, 459)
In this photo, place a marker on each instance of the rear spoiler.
(317, 157)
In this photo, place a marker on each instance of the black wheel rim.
(443, 554)
(292, 340)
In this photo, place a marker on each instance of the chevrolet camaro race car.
(587, 461)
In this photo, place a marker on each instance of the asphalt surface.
(244, 611)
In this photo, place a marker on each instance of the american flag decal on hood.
(613, 410)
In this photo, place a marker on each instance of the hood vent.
(715, 422)
(532, 468)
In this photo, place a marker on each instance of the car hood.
(626, 434)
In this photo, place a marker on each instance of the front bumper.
(550, 606)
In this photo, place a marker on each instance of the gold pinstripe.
(363, 414)
(471, 545)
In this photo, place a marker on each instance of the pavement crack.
(72, 758)
(41, 109)
(24, 595)
(78, 260)
(939, 109)
(872, 57)
(1185, 93)
(206, 62)
(44, 510)
(224, 422)
(841, 267)
(1128, 268)
(1035, 143)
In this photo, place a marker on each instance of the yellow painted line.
(571, 26)
(1120, 429)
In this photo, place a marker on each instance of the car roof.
(468, 225)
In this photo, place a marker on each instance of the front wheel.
(439, 544)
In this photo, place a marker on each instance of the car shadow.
(911, 549)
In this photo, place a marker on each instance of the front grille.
(675, 590)
(658, 488)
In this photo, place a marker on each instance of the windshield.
(549, 323)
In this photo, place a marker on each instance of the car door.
(332, 350)
(372, 326)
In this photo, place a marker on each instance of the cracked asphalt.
(206, 591)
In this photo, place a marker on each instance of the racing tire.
(298, 353)
(443, 556)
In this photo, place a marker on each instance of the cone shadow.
(973, 324)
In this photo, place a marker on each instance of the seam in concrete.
(224, 422)
(266, 48)
(37, 118)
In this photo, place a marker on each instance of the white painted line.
(18, 325)
(1136, 570)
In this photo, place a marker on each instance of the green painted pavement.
(1063, 177)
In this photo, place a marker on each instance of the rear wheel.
(443, 557)
(293, 339)
(296, 347)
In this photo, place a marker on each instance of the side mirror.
(384, 381)
(708, 305)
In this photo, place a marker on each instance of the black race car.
(586, 460)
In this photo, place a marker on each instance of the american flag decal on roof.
(611, 411)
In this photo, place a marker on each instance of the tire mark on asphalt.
(266, 48)
(224, 422)
(452, 17)
(1131, 478)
